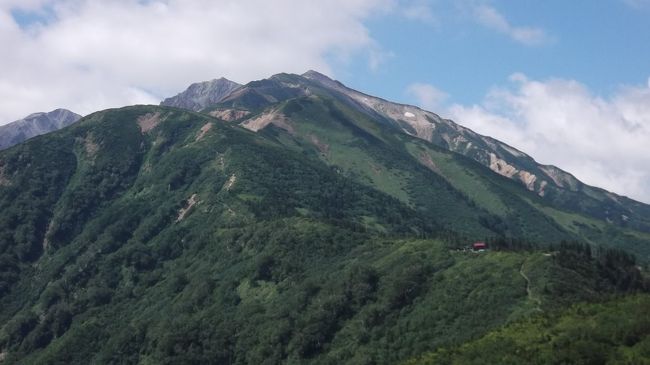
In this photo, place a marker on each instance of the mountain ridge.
(315, 75)
(551, 183)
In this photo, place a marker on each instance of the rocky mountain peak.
(35, 124)
(322, 79)
(315, 75)
(202, 94)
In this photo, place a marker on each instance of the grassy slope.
(587, 201)
(512, 204)
(461, 193)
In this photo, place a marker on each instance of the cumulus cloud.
(491, 18)
(427, 96)
(88, 54)
(601, 140)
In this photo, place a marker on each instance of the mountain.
(290, 107)
(35, 125)
(555, 185)
(202, 94)
(305, 229)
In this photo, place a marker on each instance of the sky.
(567, 82)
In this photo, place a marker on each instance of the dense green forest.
(152, 235)
(613, 332)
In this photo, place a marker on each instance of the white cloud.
(427, 96)
(491, 18)
(94, 54)
(419, 10)
(602, 141)
(638, 4)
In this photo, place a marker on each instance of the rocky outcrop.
(202, 94)
(262, 121)
(501, 167)
(229, 115)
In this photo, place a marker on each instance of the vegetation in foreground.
(613, 332)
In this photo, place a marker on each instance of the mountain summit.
(202, 94)
(34, 125)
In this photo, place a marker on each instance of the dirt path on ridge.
(529, 292)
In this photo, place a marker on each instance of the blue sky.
(602, 43)
(567, 82)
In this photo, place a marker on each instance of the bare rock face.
(229, 115)
(202, 94)
(34, 125)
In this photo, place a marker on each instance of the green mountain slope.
(555, 187)
(610, 332)
(288, 223)
(313, 114)
(152, 235)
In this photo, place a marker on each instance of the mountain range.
(295, 220)
(34, 125)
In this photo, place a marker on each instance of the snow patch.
(409, 115)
